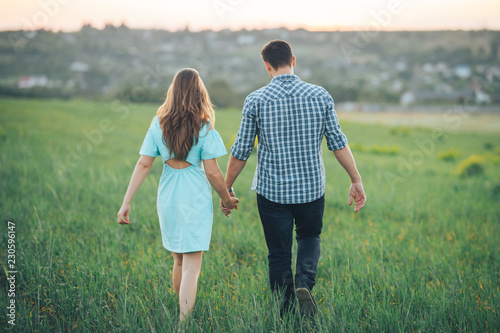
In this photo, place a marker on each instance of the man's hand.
(357, 193)
(223, 207)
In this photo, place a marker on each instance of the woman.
(183, 135)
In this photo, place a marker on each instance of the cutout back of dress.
(175, 163)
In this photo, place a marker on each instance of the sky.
(69, 15)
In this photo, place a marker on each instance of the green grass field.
(422, 255)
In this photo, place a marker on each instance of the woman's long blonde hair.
(186, 109)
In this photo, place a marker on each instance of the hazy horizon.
(242, 29)
(216, 15)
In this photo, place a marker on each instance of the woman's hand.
(123, 214)
(142, 168)
(225, 211)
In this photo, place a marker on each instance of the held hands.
(123, 214)
(357, 194)
(227, 207)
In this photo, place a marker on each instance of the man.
(290, 118)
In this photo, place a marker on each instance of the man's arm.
(234, 168)
(356, 192)
(242, 147)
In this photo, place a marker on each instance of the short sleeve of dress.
(149, 147)
(213, 146)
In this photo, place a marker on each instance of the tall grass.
(422, 255)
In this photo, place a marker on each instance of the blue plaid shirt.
(290, 118)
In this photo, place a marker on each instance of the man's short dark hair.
(277, 53)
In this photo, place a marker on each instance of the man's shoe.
(306, 302)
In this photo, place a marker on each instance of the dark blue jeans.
(278, 222)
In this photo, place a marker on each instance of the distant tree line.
(118, 62)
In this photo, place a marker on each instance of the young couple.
(290, 118)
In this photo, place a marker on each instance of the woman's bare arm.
(215, 178)
(142, 168)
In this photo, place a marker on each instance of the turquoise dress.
(184, 201)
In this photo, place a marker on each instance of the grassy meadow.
(421, 256)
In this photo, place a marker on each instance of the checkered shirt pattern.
(290, 118)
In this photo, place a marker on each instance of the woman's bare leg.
(191, 267)
(177, 272)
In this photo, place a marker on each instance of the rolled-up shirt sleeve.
(335, 139)
(244, 142)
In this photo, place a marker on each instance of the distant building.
(463, 71)
(27, 82)
(456, 96)
(371, 107)
(482, 97)
(401, 66)
(408, 98)
(397, 86)
(168, 47)
(348, 106)
(245, 39)
(78, 66)
(492, 73)
(428, 68)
